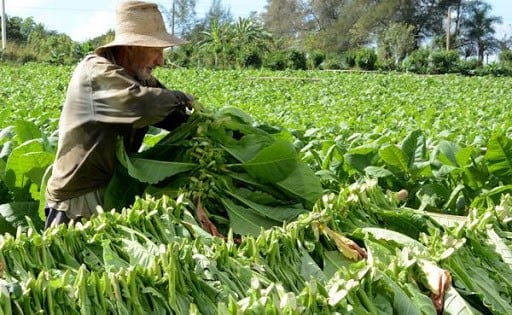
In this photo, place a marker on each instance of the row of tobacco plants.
(289, 193)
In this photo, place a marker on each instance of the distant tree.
(426, 16)
(248, 38)
(505, 42)
(328, 25)
(57, 49)
(214, 42)
(335, 26)
(103, 39)
(181, 16)
(395, 43)
(325, 13)
(284, 18)
(14, 29)
(217, 13)
(478, 29)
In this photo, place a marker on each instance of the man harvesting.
(112, 94)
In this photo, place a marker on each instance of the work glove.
(180, 113)
(185, 100)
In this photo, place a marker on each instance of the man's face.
(140, 61)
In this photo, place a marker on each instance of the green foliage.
(332, 63)
(29, 41)
(83, 49)
(350, 58)
(366, 58)
(496, 69)
(19, 53)
(181, 56)
(296, 60)
(469, 66)
(252, 59)
(316, 58)
(223, 159)
(443, 62)
(276, 61)
(478, 28)
(505, 57)
(365, 137)
(26, 156)
(395, 42)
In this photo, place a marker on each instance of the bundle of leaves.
(154, 258)
(240, 175)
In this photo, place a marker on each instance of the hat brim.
(162, 40)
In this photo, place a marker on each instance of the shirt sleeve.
(118, 98)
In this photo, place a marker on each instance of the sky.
(83, 20)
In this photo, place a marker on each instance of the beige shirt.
(102, 103)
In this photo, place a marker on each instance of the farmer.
(111, 95)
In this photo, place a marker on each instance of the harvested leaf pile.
(353, 252)
(240, 175)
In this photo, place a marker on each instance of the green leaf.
(236, 113)
(275, 213)
(40, 161)
(502, 249)
(471, 276)
(121, 190)
(273, 163)
(245, 221)
(247, 147)
(433, 196)
(414, 147)
(499, 156)
(333, 261)
(244, 179)
(111, 259)
(361, 157)
(378, 172)
(13, 215)
(143, 254)
(394, 157)
(26, 130)
(150, 171)
(455, 304)
(405, 221)
(389, 235)
(421, 301)
(309, 269)
(303, 184)
(402, 304)
(154, 171)
(26, 164)
(42, 192)
(448, 153)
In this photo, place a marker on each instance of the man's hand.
(180, 114)
(186, 100)
(183, 98)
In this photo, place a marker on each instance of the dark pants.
(54, 216)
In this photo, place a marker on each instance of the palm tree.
(246, 35)
(477, 28)
(214, 41)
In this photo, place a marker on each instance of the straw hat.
(140, 23)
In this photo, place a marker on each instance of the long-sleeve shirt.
(102, 103)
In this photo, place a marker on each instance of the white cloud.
(95, 25)
(24, 8)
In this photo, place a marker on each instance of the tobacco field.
(294, 192)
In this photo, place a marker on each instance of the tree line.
(426, 36)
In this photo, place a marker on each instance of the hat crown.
(137, 17)
(140, 23)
